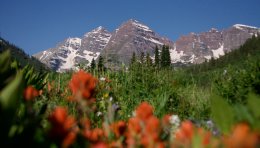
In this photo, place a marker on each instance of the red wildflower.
(119, 128)
(99, 145)
(30, 92)
(134, 125)
(93, 135)
(166, 120)
(150, 133)
(144, 111)
(62, 130)
(241, 137)
(82, 85)
(205, 135)
(184, 135)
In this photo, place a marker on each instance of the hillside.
(19, 55)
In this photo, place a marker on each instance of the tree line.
(162, 58)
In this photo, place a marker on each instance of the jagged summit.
(133, 36)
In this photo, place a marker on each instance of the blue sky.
(36, 25)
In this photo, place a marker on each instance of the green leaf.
(222, 114)
(5, 61)
(253, 104)
(11, 93)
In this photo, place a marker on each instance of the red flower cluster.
(119, 128)
(63, 129)
(144, 129)
(186, 133)
(82, 86)
(30, 93)
(242, 137)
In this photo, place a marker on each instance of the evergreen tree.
(157, 57)
(142, 60)
(101, 63)
(93, 64)
(133, 59)
(148, 59)
(165, 57)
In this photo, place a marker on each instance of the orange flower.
(150, 133)
(152, 125)
(119, 128)
(134, 125)
(144, 111)
(30, 92)
(99, 145)
(185, 133)
(82, 85)
(205, 135)
(241, 137)
(62, 130)
(93, 135)
(58, 116)
(166, 120)
(69, 139)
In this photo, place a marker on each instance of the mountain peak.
(96, 31)
(137, 24)
(134, 36)
(213, 30)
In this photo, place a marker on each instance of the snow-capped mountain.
(197, 48)
(132, 36)
(73, 51)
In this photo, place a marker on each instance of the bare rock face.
(197, 48)
(133, 36)
(236, 35)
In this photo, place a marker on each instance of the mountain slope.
(73, 51)
(213, 43)
(19, 55)
(132, 36)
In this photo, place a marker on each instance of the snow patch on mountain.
(208, 57)
(241, 26)
(141, 26)
(45, 54)
(218, 52)
(89, 55)
(176, 55)
(74, 41)
(70, 60)
(192, 59)
(153, 40)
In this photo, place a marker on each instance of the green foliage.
(165, 57)
(93, 64)
(156, 57)
(226, 115)
(133, 59)
(101, 66)
(17, 54)
(142, 59)
(148, 61)
(222, 114)
(11, 93)
(36, 79)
